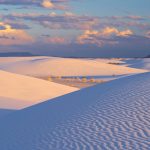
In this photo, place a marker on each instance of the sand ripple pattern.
(112, 116)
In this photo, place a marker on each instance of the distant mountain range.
(28, 54)
(16, 54)
(148, 56)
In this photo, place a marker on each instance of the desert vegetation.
(80, 82)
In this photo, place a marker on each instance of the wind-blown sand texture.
(4, 112)
(109, 116)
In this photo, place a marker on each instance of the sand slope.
(4, 112)
(45, 66)
(18, 91)
(110, 116)
(140, 63)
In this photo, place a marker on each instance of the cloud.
(129, 17)
(133, 17)
(108, 31)
(11, 36)
(136, 22)
(2, 26)
(69, 20)
(126, 46)
(148, 34)
(131, 46)
(105, 36)
(51, 4)
(54, 21)
(55, 40)
(47, 4)
(17, 25)
(19, 2)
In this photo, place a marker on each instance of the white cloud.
(10, 36)
(105, 36)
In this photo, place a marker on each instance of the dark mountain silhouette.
(16, 54)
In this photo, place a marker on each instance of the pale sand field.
(19, 91)
(110, 116)
(51, 66)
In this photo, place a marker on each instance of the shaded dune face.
(111, 116)
(141, 64)
(4, 112)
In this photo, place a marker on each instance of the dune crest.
(55, 66)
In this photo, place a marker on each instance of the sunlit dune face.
(10, 36)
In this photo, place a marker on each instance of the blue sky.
(112, 7)
(83, 28)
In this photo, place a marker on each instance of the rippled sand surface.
(110, 116)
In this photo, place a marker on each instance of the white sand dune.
(18, 91)
(139, 63)
(110, 60)
(44, 66)
(110, 116)
(18, 103)
(5, 60)
(4, 112)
